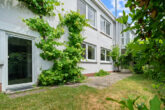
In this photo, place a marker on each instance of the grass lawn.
(81, 98)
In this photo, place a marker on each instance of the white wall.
(95, 37)
(11, 14)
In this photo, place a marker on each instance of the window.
(91, 16)
(105, 26)
(89, 51)
(122, 40)
(105, 55)
(127, 38)
(88, 11)
(82, 7)
(102, 25)
(122, 28)
(84, 53)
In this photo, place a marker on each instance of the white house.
(122, 39)
(20, 63)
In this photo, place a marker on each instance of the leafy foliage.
(42, 7)
(160, 89)
(65, 68)
(130, 104)
(146, 59)
(115, 54)
(102, 73)
(147, 17)
(148, 49)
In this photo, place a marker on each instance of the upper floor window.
(81, 7)
(122, 28)
(127, 37)
(88, 11)
(91, 16)
(105, 26)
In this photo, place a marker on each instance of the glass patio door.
(19, 61)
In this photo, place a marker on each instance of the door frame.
(15, 86)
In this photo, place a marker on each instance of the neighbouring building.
(122, 39)
(20, 63)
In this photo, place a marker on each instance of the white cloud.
(120, 6)
(120, 14)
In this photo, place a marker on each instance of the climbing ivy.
(41, 7)
(65, 68)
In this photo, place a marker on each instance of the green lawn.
(81, 98)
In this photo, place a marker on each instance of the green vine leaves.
(65, 68)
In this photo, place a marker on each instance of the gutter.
(103, 8)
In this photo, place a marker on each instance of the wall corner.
(0, 87)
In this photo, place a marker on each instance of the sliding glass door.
(19, 61)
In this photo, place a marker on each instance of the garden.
(144, 57)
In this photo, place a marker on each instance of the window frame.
(87, 17)
(87, 6)
(86, 59)
(84, 4)
(105, 26)
(105, 55)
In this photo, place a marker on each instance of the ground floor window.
(105, 55)
(89, 51)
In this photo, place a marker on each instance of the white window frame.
(86, 50)
(84, 4)
(15, 86)
(86, 14)
(105, 61)
(105, 22)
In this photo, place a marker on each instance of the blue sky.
(110, 4)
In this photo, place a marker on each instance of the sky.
(110, 4)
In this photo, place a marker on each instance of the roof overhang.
(104, 9)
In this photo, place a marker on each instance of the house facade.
(122, 39)
(20, 61)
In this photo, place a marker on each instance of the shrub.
(102, 73)
(115, 54)
(151, 73)
(137, 69)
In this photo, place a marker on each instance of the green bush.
(151, 73)
(137, 69)
(102, 73)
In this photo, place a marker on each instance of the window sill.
(105, 34)
(88, 61)
(92, 27)
(105, 62)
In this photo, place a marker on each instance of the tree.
(115, 54)
(149, 24)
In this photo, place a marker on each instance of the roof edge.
(105, 9)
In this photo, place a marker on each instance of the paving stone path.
(96, 82)
(102, 82)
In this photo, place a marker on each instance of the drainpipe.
(1, 64)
